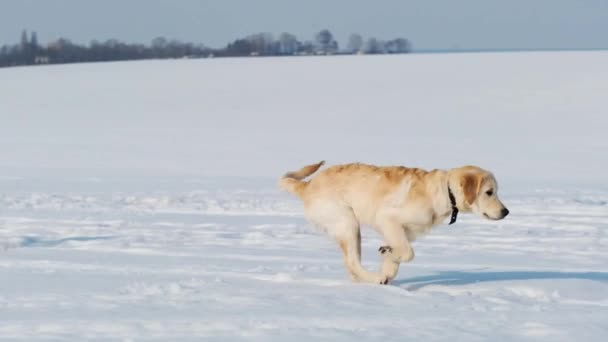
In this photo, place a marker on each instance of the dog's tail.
(292, 181)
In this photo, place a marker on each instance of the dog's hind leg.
(340, 223)
(348, 245)
(349, 240)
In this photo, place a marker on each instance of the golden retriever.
(400, 203)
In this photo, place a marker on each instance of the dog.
(400, 203)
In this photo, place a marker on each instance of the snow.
(253, 116)
(138, 200)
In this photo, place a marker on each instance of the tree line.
(30, 52)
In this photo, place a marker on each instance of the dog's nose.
(504, 212)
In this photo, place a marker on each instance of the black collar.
(454, 208)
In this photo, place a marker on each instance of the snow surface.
(138, 200)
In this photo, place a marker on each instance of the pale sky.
(428, 24)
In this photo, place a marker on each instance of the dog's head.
(476, 190)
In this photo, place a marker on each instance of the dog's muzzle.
(504, 212)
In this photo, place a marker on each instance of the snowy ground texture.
(138, 200)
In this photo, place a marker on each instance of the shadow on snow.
(465, 278)
(34, 241)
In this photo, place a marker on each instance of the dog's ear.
(470, 184)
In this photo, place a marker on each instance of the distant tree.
(306, 48)
(333, 47)
(24, 39)
(323, 38)
(159, 47)
(28, 50)
(262, 43)
(355, 43)
(95, 51)
(159, 43)
(5, 56)
(240, 47)
(373, 46)
(288, 44)
(34, 40)
(325, 42)
(399, 45)
(176, 48)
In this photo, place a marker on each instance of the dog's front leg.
(397, 250)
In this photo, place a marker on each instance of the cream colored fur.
(399, 203)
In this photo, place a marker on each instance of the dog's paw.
(384, 249)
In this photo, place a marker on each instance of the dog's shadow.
(471, 277)
(34, 241)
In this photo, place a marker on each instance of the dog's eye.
(490, 192)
